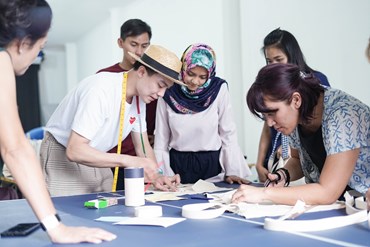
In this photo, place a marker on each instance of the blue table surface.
(226, 230)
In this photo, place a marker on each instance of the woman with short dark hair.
(328, 132)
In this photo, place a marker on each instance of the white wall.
(333, 35)
(52, 83)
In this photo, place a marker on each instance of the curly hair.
(21, 19)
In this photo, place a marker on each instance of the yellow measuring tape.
(121, 120)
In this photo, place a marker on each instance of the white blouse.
(208, 130)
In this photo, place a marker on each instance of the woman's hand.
(235, 179)
(247, 193)
(275, 180)
(63, 234)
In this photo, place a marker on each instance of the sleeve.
(345, 128)
(231, 157)
(162, 138)
(90, 114)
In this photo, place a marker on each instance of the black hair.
(135, 27)
(150, 71)
(286, 42)
(21, 19)
(278, 82)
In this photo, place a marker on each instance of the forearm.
(150, 154)
(263, 145)
(84, 154)
(311, 194)
(261, 155)
(26, 170)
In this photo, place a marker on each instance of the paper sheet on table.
(111, 218)
(155, 221)
(254, 210)
(200, 186)
(162, 196)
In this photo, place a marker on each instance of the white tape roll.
(315, 225)
(355, 208)
(202, 210)
(148, 211)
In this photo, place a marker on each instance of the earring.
(20, 51)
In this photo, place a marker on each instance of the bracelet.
(286, 174)
(50, 222)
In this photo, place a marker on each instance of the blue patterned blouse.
(345, 126)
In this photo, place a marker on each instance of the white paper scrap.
(111, 218)
(155, 221)
(202, 186)
(162, 196)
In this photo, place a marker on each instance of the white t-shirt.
(92, 109)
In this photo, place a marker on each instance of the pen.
(200, 198)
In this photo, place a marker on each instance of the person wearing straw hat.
(89, 120)
(202, 108)
(135, 37)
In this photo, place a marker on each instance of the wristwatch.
(50, 222)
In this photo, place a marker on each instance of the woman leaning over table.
(195, 134)
(279, 46)
(23, 33)
(328, 132)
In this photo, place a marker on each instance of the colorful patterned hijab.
(182, 100)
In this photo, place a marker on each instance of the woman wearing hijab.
(195, 133)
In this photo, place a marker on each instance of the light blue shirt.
(345, 126)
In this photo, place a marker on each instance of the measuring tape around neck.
(121, 121)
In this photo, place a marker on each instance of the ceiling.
(73, 18)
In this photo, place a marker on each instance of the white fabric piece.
(315, 225)
(355, 215)
(257, 210)
(203, 210)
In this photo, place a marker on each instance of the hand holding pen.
(278, 178)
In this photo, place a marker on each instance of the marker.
(200, 198)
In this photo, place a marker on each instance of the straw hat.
(161, 61)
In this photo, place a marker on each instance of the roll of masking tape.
(148, 211)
